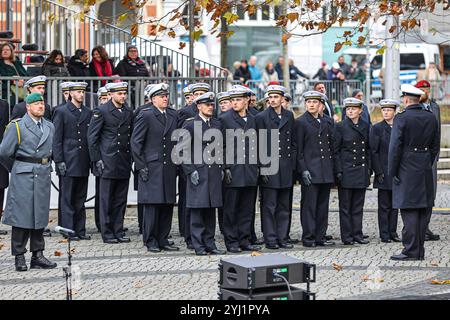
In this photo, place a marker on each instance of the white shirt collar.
(203, 118)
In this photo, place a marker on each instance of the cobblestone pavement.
(128, 271)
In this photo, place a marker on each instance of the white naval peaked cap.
(389, 103)
(158, 89)
(116, 86)
(352, 102)
(36, 81)
(205, 98)
(410, 90)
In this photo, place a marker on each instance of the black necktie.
(208, 123)
(164, 117)
(40, 126)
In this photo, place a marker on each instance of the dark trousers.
(413, 233)
(237, 216)
(275, 209)
(203, 228)
(387, 216)
(314, 212)
(113, 202)
(97, 203)
(156, 224)
(73, 192)
(351, 204)
(19, 240)
(59, 200)
(140, 211)
(253, 237)
(181, 203)
(291, 199)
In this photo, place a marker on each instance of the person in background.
(254, 71)
(344, 67)
(433, 75)
(269, 74)
(33, 85)
(54, 65)
(11, 66)
(279, 67)
(224, 101)
(132, 65)
(321, 74)
(100, 66)
(78, 65)
(243, 73)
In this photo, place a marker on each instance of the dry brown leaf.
(256, 253)
(72, 250)
(58, 253)
(50, 221)
(365, 277)
(137, 284)
(63, 241)
(436, 281)
(434, 264)
(337, 267)
(1, 246)
(376, 280)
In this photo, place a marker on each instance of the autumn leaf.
(285, 37)
(361, 40)
(292, 16)
(175, 16)
(196, 34)
(392, 29)
(231, 17)
(137, 284)
(161, 28)
(229, 33)
(57, 253)
(251, 10)
(337, 267)
(434, 264)
(63, 241)
(412, 23)
(1, 246)
(337, 46)
(436, 281)
(182, 45)
(381, 50)
(171, 34)
(255, 254)
(122, 17)
(134, 30)
(365, 278)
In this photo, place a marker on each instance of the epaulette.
(190, 119)
(96, 113)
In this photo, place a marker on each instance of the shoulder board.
(190, 119)
(14, 121)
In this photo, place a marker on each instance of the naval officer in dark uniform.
(275, 188)
(204, 179)
(241, 173)
(314, 137)
(71, 156)
(109, 148)
(190, 110)
(430, 104)
(33, 85)
(352, 168)
(380, 135)
(152, 146)
(413, 147)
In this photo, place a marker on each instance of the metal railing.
(136, 85)
(51, 25)
(336, 90)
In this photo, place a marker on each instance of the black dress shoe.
(251, 247)
(362, 241)
(153, 249)
(234, 250)
(272, 246)
(125, 229)
(348, 243)
(20, 263)
(170, 248)
(403, 257)
(3, 232)
(257, 242)
(201, 253)
(47, 233)
(286, 245)
(72, 238)
(217, 252)
(38, 261)
(386, 240)
(292, 241)
(84, 237)
(309, 244)
(396, 239)
(124, 239)
(328, 238)
(110, 241)
(325, 243)
(365, 236)
(432, 237)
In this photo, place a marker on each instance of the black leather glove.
(380, 178)
(264, 179)
(306, 177)
(61, 168)
(100, 166)
(143, 173)
(339, 178)
(195, 178)
(396, 180)
(228, 176)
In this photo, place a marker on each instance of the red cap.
(423, 84)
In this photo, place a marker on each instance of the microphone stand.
(68, 272)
